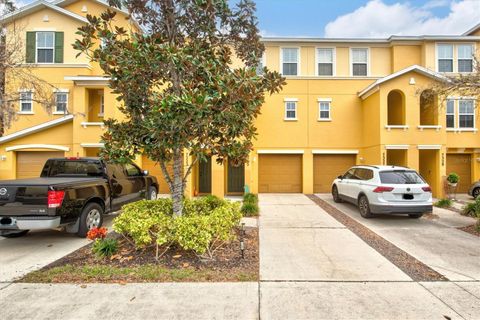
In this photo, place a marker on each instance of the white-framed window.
(61, 102)
(445, 57)
(45, 49)
(466, 114)
(359, 61)
(325, 61)
(465, 58)
(261, 64)
(26, 102)
(450, 113)
(102, 106)
(324, 109)
(290, 61)
(291, 109)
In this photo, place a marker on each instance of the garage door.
(461, 165)
(30, 163)
(327, 167)
(280, 173)
(155, 170)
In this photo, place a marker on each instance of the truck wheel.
(335, 195)
(91, 217)
(476, 193)
(13, 234)
(152, 193)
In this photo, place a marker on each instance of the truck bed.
(52, 181)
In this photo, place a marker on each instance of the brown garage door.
(155, 170)
(30, 163)
(327, 167)
(280, 173)
(461, 164)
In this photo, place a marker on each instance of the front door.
(236, 179)
(205, 176)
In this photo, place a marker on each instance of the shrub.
(207, 223)
(453, 178)
(105, 247)
(250, 205)
(443, 203)
(97, 233)
(472, 209)
(250, 197)
(249, 209)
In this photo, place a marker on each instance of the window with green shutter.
(58, 47)
(30, 57)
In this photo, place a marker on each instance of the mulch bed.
(470, 229)
(228, 264)
(414, 268)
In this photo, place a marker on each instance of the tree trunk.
(178, 185)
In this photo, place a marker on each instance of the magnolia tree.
(14, 72)
(178, 85)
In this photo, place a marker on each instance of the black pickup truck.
(73, 193)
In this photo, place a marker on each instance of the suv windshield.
(75, 168)
(400, 177)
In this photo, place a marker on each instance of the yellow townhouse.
(346, 102)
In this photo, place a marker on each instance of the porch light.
(412, 81)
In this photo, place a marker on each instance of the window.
(445, 58)
(45, 47)
(261, 65)
(61, 101)
(359, 62)
(400, 177)
(465, 58)
(290, 61)
(363, 174)
(324, 110)
(132, 171)
(290, 110)
(102, 106)
(466, 115)
(450, 113)
(325, 61)
(26, 103)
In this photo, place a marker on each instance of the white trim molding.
(93, 124)
(402, 127)
(38, 146)
(429, 146)
(280, 151)
(92, 145)
(36, 128)
(290, 99)
(397, 146)
(435, 127)
(334, 151)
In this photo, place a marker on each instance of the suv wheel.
(152, 193)
(13, 234)
(364, 207)
(476, 193)
(335, 195)
(91, 217)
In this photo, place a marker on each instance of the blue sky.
(364, 18)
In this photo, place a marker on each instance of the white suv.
(384, 189)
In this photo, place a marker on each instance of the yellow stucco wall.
(356, 125)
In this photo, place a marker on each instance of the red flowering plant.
(97, 233)
(102, 246)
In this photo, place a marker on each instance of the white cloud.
(377, 19)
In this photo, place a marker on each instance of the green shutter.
(31, 39)
(58, 47)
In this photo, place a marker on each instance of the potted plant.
(452, 179)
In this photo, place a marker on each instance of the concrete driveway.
(19, 256)
(435, 242)
(312, 267)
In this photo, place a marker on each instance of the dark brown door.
(205, 176)
(236, 179)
